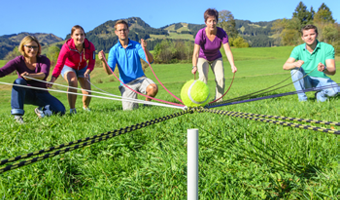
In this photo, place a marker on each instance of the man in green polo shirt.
(310, 63)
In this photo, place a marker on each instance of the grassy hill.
(103, 36)
(9, 42)
(258, 34)
(239, 158)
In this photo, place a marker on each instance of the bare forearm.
(230, 58)
(106, 68)
(229, 54)
(330, 71)
(40, 75)
(149, 55)
(330, 68)
(194, 59)
(289, 66)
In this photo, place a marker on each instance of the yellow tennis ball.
(195, 93)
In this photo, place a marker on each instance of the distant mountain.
(9, 42)
(103, 36)
(256, 33)
(183, 28)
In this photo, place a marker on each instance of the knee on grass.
(152, 90)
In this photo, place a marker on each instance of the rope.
(287, 118)
(157, 77)
(92, 91)
(101, 97)
(258, 92)
(226, 91)
(135, 90)
(295, 125)
(81, 143)
(214, 105)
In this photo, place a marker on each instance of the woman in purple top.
(208, 42)
(31, 65)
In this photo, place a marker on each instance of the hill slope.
(103, 36)
(9, 42)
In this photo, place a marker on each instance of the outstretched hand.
(101, 55)
(87, 74)
(25, 75)
(321, 67)
(194, 70)
(233, 69)
(143, 43)
(49, 85)
(298, 63)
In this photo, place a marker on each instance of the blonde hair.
(121, 22)
(26, 40)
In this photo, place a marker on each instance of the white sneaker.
(87, 109)
(43, 111)
(18, 119)
(39, 112)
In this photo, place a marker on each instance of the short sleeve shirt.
(321, 53)
(210, 50)
(127, 60)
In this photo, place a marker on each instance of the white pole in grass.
(192, 168)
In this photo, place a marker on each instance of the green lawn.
(3, 62)
(239, 158)
(172, 36)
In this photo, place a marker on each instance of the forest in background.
(174, 43)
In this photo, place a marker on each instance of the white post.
(192, 168)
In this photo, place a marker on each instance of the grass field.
(239, 158)
(175, 36)
(3, 62)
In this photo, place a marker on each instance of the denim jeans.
(301, 84)
(21, 96)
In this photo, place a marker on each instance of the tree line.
(287, 31)
(241, 33)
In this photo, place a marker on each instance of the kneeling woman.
(31, 65)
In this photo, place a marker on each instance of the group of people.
(77, 58)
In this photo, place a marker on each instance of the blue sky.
(58, 17)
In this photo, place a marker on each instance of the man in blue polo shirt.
(310, 63)
(127, 54)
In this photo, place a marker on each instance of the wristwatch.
(193, 67)
(325, 69)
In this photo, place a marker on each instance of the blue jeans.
(79, 73)
(309, 82)
(21, 96)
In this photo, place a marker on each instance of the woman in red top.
(75, 62)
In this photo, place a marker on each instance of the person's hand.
(101, 55)
(233, 69)
(298, 63)
(194, 70)
(321, 67)
(87, 73)
(49, 85)
(143, 43)
(25, 75)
